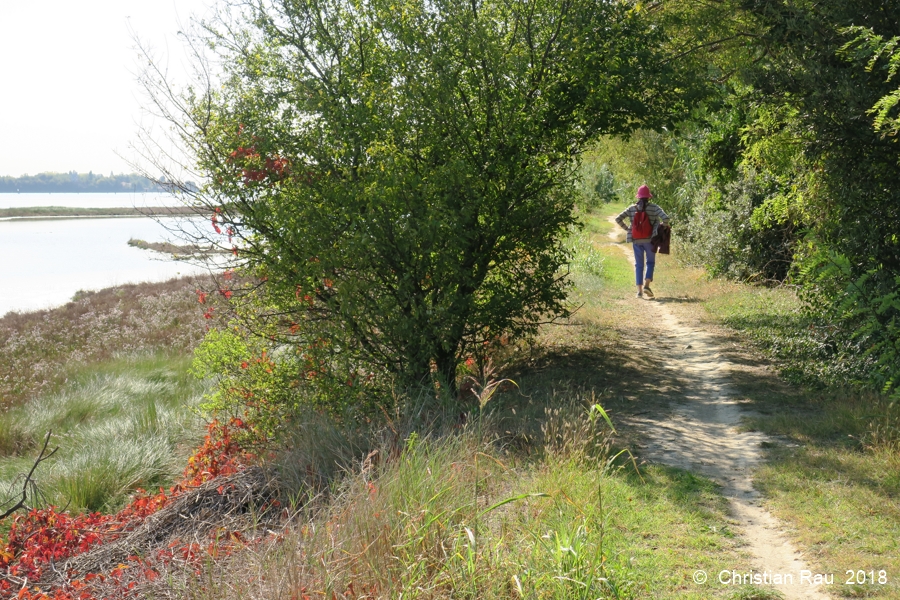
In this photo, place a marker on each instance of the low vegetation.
(38, 350)
(107, 374)
(40, 212)
(486, 512)
(833, 473)
(176, 250)
(120, 425)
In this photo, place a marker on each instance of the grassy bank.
(485, 512)
(834, 475)
(107, 374)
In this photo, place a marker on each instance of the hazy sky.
(68, 93)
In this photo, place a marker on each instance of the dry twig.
(29, 481)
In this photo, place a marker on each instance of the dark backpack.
(641, 228)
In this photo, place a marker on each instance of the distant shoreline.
(124, 192)
(63, 212)
(79, 183)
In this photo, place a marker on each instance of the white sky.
(69, 99)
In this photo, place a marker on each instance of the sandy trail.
(701, 435)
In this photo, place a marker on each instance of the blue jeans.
(641, 249)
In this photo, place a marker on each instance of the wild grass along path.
(702, 435)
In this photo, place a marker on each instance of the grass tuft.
(119, 425)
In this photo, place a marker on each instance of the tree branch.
(44, 455)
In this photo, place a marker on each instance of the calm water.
(126, 200)
(44, 262)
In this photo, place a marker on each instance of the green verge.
(834, 475)
(465, 515)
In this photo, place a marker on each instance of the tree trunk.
(446, 370)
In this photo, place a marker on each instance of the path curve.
(702, 435)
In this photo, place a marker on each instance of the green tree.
(400, 174)
(795, 169)
(883, 55)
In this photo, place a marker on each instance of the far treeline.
(400, 181)
(73, 182)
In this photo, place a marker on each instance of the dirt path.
(701, 435)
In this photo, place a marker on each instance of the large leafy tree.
(846, 176)
(796, 142)
(398, 173)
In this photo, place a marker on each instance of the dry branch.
(29, 481)
(234, 502)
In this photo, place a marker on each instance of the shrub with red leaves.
(222, 453)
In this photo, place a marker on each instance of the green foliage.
(865, 314)
(808, 350)
(733, 233)
(868, 45)
(269, 384)
(728, 187)
(585, 258)
(644, 157)
(597, 185)
(784, 175)
(399, 175)
(847, 176)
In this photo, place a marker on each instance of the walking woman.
(645, 218)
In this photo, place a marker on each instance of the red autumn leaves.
(216, 216)
(43, 539)
(253, 167)
(270, 168)
(202, 296)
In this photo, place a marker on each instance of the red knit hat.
(644, 192)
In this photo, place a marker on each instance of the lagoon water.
(88, 200)
(43, 262)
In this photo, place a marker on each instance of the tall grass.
(124, 424)
(585, 258)
(459, 512)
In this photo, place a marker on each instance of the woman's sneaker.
(648, 291)
(640, 295)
